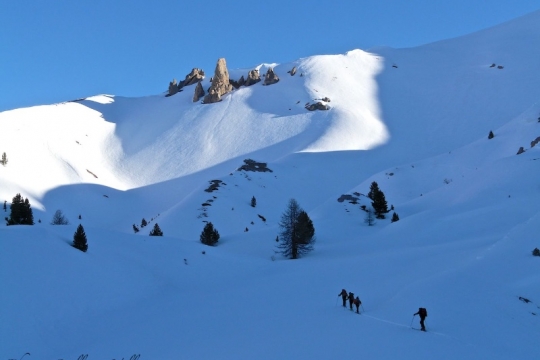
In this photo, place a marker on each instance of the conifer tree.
(79, 239)
(143, 222)
(395, 217)
(156, 231)
(373, 189)
(296, 231)
(490, 135)
(135, 228)
(4, 160)
(21, 212)
(209, 235)
(253, 202)
(380, 206)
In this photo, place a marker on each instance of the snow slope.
(414, 120)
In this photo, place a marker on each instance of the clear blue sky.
(53, 51)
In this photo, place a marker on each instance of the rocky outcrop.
(173, 88)
(292, 71)
(199, 92)
(271, 77)
(253, 78)
(237, 84)
(521, 150)
(220, 83)
(317, 106)
(196, 75)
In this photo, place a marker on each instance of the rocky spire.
(220, 83)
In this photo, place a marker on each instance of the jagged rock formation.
(292, 71)
(173, 88)
(253, 78)
(271, 77)
(237, 84)
(317, 106)
(196, 75)
(220, 83)
(199, 92)
(521, 150)
(535, 141)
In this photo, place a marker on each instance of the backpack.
(422, 312)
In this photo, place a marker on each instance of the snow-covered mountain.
(414, 120)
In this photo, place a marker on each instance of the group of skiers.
(352, 300)
(422, 312)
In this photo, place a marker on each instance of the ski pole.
(364, 310)
(412, 319)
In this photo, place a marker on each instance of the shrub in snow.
(59, 218)
(209, 235)
(395, 217)
(79, 239)
(536, 252)
(156, 231)
(296, 232)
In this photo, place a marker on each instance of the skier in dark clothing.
(351, 299)
(343, 294)
(422, 312)
(357, 303)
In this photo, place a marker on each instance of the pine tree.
(135, 228)
(79, 239)
(491, 136)
(209, 235)
(4, 160)
(156, 231)
(143, 223)
(5, 205)
(296, 231)
(395, 217)
(253, 202)
(21, 212)
(373, 189)
(380, 206)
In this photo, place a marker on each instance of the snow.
(468, 209)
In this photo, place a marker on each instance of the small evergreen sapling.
(536, 252)
(209, 235)
(135, 229)
(156, 231)
(395, 217)
(79, 239)
(143, 223)
(491, 136)
(4, 160)
(253, 202)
